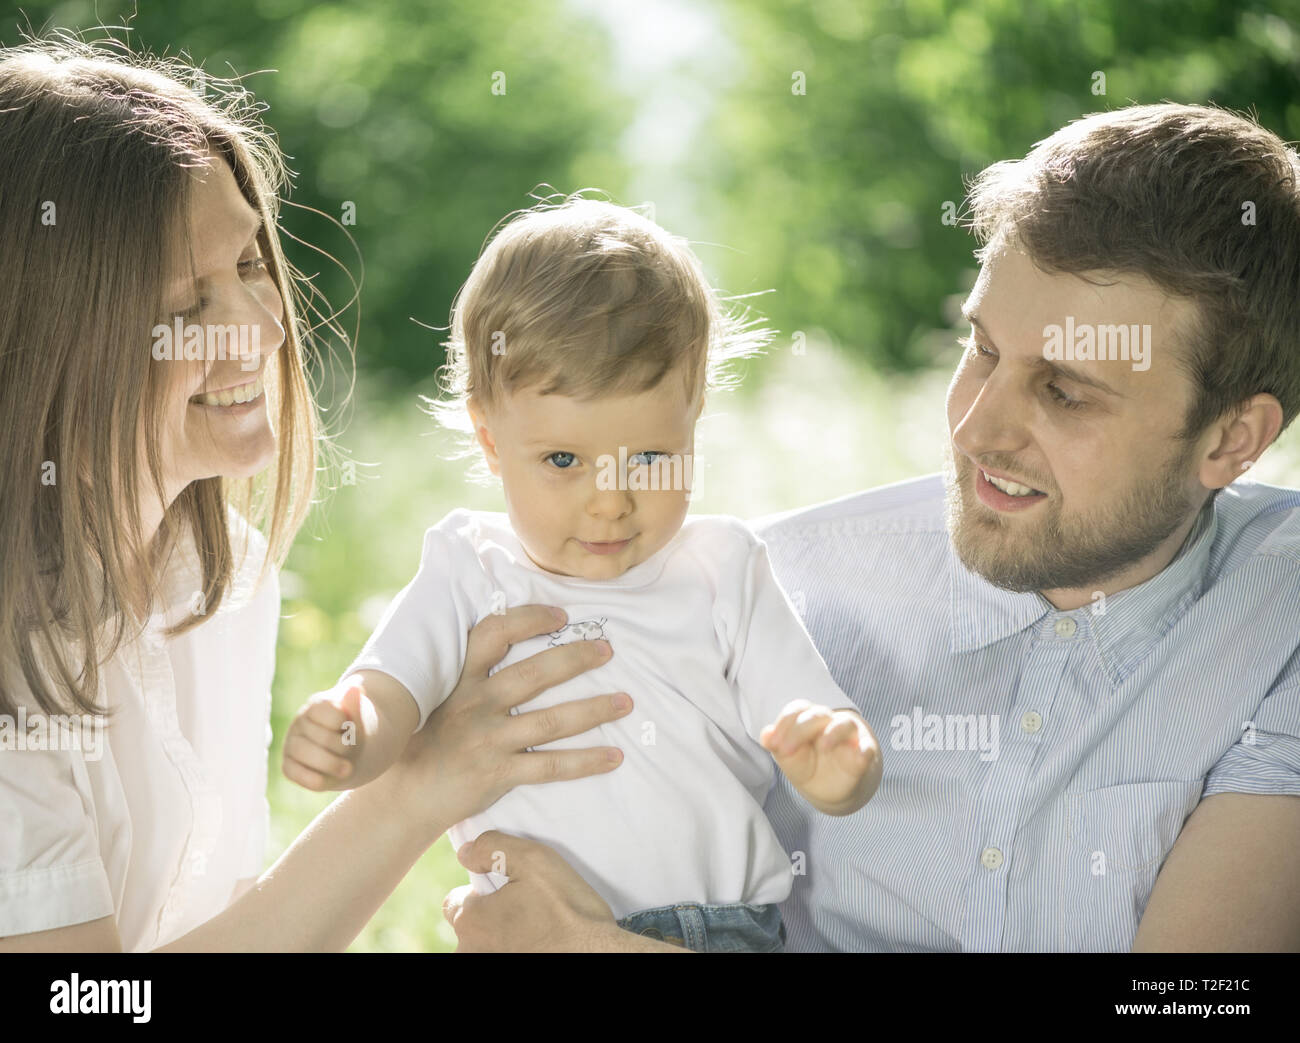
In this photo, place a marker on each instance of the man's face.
(1113, 489)
(576, 511)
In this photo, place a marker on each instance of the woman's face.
(226, 323)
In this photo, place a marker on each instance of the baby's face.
(592, 487)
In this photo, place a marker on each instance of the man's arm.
(1231, 882)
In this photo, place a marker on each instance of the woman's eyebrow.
(252, 223)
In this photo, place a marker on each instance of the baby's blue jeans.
(712, 928)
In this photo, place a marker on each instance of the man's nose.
(993, 421)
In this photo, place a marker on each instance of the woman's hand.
(472, 750)
(546, 906)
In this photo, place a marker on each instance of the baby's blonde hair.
(585, 298)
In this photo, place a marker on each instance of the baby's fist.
(324, 739)
(825, 753)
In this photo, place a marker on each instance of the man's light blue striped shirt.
(1039, 764)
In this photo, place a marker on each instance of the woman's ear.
(483, 432)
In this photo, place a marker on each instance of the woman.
(136, 590)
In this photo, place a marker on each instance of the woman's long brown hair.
(95, 155)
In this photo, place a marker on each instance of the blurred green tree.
(433, 121)
(838, 194)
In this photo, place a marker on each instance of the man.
(1080, 645)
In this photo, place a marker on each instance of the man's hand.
(830, 756)
(546, 906)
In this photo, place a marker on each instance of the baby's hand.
(830, 756)
(325, 739)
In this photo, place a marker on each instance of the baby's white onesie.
(710, 649)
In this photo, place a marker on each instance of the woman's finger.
(526, 679)
(537, 727)
(492, 636)
(559, 765)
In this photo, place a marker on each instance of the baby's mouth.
(605, 546)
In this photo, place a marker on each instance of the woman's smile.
(237, 400)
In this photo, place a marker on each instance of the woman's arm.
(327, 885)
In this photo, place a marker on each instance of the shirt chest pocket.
(1117, 838)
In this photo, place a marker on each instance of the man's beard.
(1055, 553)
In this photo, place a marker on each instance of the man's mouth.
(1009, 487)
(1005, 495)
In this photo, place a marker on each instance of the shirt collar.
(1122, 626)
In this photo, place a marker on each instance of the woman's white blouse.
(156, 822)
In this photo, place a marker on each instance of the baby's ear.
(483, 433)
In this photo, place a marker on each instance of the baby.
(582, 346)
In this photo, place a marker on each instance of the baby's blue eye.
(646, 457)
(562, 460)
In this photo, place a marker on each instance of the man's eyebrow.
(1051, 366)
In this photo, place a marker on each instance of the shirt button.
(1031, 722)
(1065, 626)
(991, 858)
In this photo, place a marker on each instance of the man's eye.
(645, 457)
(1059, 397)
(1062, 399)
(562, 460)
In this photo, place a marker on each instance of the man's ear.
(1242, 441)
(484, 434)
